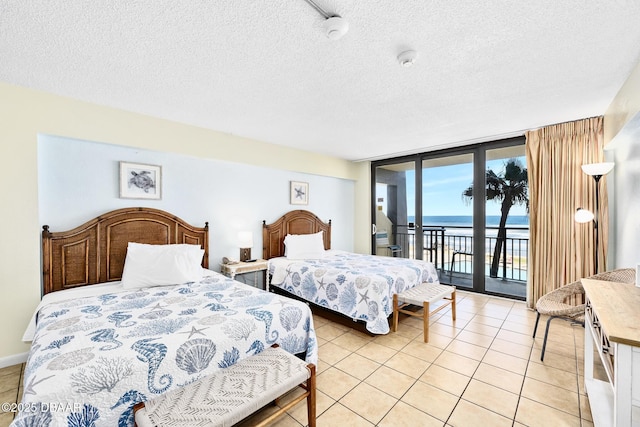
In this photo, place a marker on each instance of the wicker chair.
(554, 305)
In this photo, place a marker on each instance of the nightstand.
(232, 270)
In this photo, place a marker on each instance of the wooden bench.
(423, 295)
(229, 395)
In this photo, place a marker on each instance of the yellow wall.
(26, 113)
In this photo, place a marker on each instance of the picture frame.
(140, 181)
(299, 193)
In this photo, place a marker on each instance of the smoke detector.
(335, 27)
(407, 58)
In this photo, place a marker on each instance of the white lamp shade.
(245, 239)
(597, 168)
(583, 215)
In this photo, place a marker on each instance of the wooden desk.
(612, 328)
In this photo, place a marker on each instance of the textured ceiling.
(265, 70)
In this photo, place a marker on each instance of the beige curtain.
(561, 250)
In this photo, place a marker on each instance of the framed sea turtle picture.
(140, 181)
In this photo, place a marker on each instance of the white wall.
(624, 225)
(79, 180)
(622, 139)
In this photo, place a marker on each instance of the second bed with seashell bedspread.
(358, 286)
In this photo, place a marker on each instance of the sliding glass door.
(394, 231)
(506, 221)
(448, 215)
(463, 209)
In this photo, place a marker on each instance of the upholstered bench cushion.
(228, 395)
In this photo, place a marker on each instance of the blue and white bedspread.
(358, 286)
(93, 358)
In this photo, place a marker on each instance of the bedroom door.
(395, 231)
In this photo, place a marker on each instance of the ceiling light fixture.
(334, 26)
(407, 58)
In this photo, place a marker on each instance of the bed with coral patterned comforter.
(94, 357)
(355, 285)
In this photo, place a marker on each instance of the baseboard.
(14, 359)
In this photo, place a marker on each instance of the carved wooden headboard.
(95, 251)
(294, 222)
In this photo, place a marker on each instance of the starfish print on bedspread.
(365, 297)
(282, 302)
(194, 331)
(158, 306)
(28, 389)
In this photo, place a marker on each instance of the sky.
(443, 187)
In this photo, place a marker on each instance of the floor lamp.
(596, 170)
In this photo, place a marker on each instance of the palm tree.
(510, 187)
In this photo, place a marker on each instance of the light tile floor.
(483, 369)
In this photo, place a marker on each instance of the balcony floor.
(513, 288)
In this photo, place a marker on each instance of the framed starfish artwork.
(299, 193)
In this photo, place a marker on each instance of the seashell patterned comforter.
(359, 286)
(93, 358)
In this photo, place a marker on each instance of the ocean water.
(458, 235)
(517, 225)
(467, 220)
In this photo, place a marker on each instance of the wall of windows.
(465, 210)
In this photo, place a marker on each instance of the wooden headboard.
(294, 222)
(95, 251)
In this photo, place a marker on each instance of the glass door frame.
(415, 159)
(478, 209)
(479, 200)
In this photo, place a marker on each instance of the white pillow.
(304, 246)
(161, 265)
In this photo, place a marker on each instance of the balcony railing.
(451, 249)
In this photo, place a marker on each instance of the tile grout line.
(474, 372)
(524, 378)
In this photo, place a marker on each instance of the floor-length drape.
(561, 249)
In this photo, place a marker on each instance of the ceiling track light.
(334, 25)
(320, 10)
